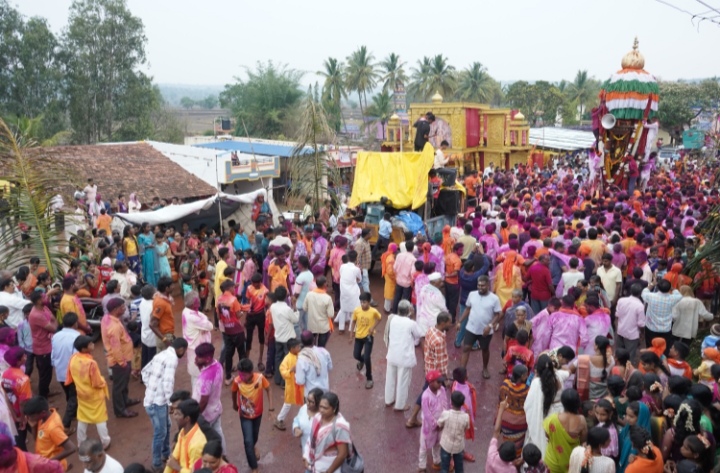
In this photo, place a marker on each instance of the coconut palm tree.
(475, 84)
(334, 86)
(393, 73)
(419, 87)
(33, 182)
(361, 74)
(443, 77)
(310, 167)
(580, 90)
(381, 109)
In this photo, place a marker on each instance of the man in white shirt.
(15, 303)
(159, 380)
(90, 191)
(125, 278)
(284, 320)
(401, 335)
(148, 341)
(440, 159)
(611, 277)
(313, 365)
(95, 460)
(483, 311)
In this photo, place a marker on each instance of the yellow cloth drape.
(401, 177)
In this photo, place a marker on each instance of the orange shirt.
(103, 223)
(278, 276)
(250, 395)
(162, 310)
(117, 342)
(256, 297)
(470, 183)
(16, 385)
(50, 437)
(452, 264)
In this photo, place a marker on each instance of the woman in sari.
(565, 431)
(593, 370)
(514, 424)
(162, 248)
(146, 239)
(214, 460)
(303, 419)
(675, 278)
(507, 277)
(543, 399)
(638, 414)
(329, 442)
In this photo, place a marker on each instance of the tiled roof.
(129, 167)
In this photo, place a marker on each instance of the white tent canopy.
(173, 213)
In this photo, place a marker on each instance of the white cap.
(435, 277)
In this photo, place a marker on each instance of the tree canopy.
(263, 100)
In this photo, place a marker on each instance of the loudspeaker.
(225, 124)
(448, 202)
(448, 176)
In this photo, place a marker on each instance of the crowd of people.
(586, 292)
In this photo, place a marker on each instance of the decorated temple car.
(628, 101)
(477, 134)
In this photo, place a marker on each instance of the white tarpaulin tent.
(173, 213)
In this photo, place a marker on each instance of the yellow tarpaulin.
(401, 177)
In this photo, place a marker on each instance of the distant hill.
(172, 93)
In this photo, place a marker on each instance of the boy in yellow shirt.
(294, 393)
(365, 319)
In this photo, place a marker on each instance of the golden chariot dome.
(634, 59)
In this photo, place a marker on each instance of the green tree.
(381, 109)
(209, 102)
(105, 45)
(333, 90)
(541, 99)
(310, 167)
(579, 90)
(187, 103)
(475, 84)
(682, 102)
(393, 73)
(361, 75)
(31, 75)
(263, 100)
(419, 86)
(34, 180)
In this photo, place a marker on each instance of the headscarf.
(133, 198)
(7, 336)
(447, 240)
(626, 448)
(508, 266)
(658, 346)
(392, 249)
(426, 247)
(712, 354)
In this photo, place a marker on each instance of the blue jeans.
(303, 319)
(365, 282)
(461, 332)
(251, 432)
(538, 306)
(445, 461)
(160, 419)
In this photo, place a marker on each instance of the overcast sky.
(209, 42)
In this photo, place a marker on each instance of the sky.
(211, 42)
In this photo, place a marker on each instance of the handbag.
(354, 463)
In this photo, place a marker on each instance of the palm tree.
(419, 87)
(393, 71)
(580, 90)
(475, 84)
(381, 109)
(33, 182)
(310, 168)
(361, 74)
(443, 77)
(334, 87)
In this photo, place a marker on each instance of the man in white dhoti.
(401, 333)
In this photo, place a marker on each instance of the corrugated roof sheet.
(563, 139)
(265, 149)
